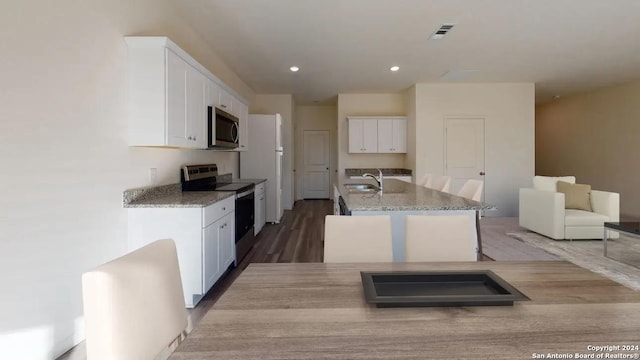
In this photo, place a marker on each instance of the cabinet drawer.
(214, 212)
(259, 188)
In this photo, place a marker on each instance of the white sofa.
(542, 210)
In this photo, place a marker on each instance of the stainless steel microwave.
(222, 129)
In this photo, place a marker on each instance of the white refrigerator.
(263, 160)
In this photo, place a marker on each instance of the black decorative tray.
(438, 288)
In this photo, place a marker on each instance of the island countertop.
(319, 311)
(402, 196)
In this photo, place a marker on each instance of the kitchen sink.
(361, 188)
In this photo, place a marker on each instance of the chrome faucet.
(378, 178)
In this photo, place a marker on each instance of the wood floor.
(297, 238)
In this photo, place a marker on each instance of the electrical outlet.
(153, 176)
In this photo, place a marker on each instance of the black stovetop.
(205, 178)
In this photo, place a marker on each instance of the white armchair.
(542, 210)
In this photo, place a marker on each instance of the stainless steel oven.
(245, 210)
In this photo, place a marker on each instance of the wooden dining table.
(319, 311)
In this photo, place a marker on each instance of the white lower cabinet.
(260, 204)
(217, 249)
(204, 239)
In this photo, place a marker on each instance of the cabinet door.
(213, 97)
(227, 241)
(260, 213)
(392, 135)
(176, 100)
(363, 135)
(196, 108)
(399, 135)
(256, 212)
(225, 101)
(355, 136)
(263, 210)
(243, 115)
(370, 136)
(385, 136)
(211, 259)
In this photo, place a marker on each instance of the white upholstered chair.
(472, 189)
(134, 306)
(440, 238)
(425, 180)
(442, 183)
(542, 209)
(357, 239)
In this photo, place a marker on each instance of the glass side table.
(627, 227)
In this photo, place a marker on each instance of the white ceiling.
(346, 46)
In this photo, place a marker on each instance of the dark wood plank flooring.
(298, 237)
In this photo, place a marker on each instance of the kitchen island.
(399, 199)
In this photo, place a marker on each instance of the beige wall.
(314, 117)
(65, 159)
(508, 110)
(410, 159)
(594, 136)
(362, 105)
(282, 104)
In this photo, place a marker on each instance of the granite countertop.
(385, 172)
(254, 181)
(402, 196)
(171, 196)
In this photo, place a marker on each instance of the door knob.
(482, 173)
(327, 168)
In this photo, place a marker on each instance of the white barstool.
(357, 239)
(472, 189)
(442, 183)
(425, 180)
(439, 238)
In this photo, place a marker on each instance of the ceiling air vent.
(442, 31)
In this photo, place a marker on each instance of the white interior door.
(464, 150)
(316, 164)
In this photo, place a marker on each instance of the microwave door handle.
(234, 136)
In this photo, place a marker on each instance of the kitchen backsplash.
(385, 172)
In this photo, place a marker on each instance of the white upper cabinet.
(392, 135)
(243, 125)
(225, 102)
(377, 134)
(169, 95)
(196, 108)
(176, 99)
(363, 135)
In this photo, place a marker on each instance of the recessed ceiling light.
(294, 68)
(394, 68)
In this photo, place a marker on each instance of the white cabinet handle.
(223, 106)
(224, 208)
